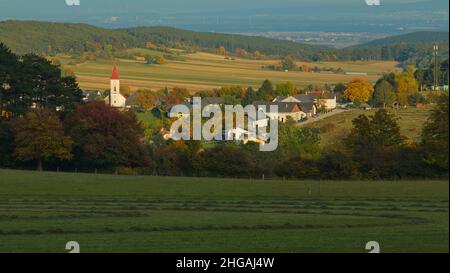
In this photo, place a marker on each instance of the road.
(322, 116)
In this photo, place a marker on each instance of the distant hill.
(40, 37)
(409, 49)
(51, 38)
(43, 37)
(415, 38)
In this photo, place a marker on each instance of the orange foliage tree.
(358, 91)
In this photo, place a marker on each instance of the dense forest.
(51, 38)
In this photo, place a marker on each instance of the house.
(91, 95)
(244, 136)
(320, 99)
(309, 108)
(207, 104)
(285, 110)
(115, 99)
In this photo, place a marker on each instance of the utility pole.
(435, 55)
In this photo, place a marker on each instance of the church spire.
(115, 73)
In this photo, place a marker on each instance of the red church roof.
(115, 73)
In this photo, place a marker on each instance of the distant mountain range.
(43, 37)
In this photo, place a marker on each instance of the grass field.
(204, 71)
(40, 212)
(410, 120)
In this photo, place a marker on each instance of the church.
(115, 99)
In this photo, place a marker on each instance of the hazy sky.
(193, 14)
(20, 7)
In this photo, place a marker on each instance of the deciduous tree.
(106, 137)
(39, 136)
(358, 91)
(384, 94)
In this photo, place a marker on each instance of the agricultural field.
(40, 212)
(205, 71)
(333, 128)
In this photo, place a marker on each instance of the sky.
(240, 15)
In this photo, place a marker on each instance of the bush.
(336, 165)
(298, 167)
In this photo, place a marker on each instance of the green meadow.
(40, 212)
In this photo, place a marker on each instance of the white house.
(285, 110)
(115, 99)
(324, 99)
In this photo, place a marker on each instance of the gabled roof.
(314, 96)
(306, 97)
(306, 107)
(91, 95)
(280, 98)
(283, 107)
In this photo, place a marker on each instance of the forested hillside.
(51, 38)
(42, 37)
(412, 48)
(415, 38)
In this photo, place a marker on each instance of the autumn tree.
(126, 90)
(143, 99)
(305, 68)
(257, 54)
(289, 63)
(358, 91)
(241, 52)
(384, 94)
(105, 137)
(405, 85)
(221, 50)
(39, 136)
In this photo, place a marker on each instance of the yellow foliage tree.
(358, 91)
(405, 85)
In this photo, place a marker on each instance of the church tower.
(115, 99)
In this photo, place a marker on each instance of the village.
(298, 108)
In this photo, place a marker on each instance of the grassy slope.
(411, 122)
(42, 211)
(203, 71)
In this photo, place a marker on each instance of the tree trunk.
(39, 165)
